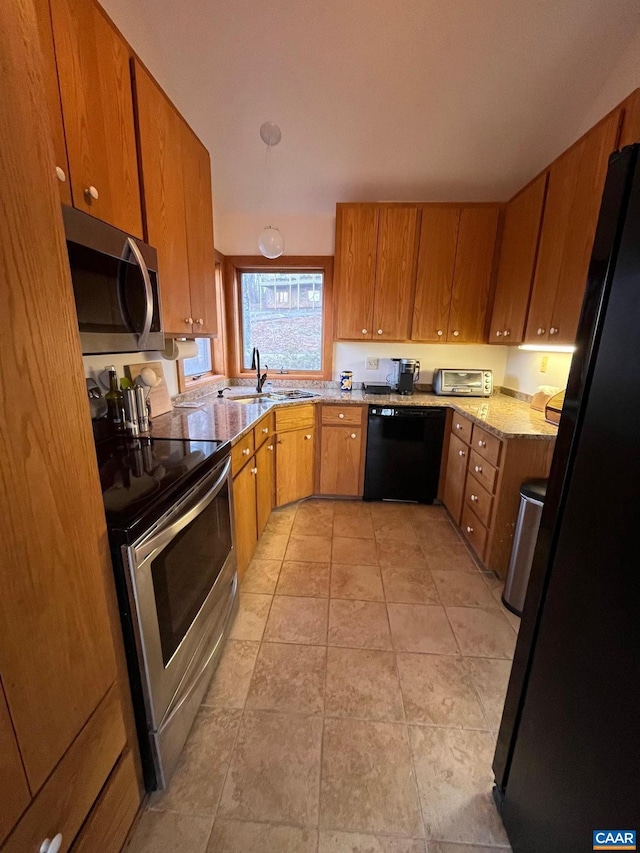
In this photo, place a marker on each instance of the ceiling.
(378, 99)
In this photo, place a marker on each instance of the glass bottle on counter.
(115, 403)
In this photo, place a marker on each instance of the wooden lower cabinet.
(13, 782)
(245, 515)
(341, 461)
(295, 465)
(456, 472)
(265, 483)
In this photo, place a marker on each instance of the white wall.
(237, 233)
(352, 356)
(95, 364)
(523, 372)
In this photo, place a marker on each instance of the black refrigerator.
(567, 760)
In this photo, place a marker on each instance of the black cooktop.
(142, 477)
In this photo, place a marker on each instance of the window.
(284, 311)
(201, 363)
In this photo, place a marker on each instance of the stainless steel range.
(169, 514)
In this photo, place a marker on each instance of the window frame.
(235, 265)
(217, 344)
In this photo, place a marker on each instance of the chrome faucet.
(255, 365)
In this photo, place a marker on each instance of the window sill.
(188, 383)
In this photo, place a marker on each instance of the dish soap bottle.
(115, 402)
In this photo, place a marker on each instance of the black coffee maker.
(407, 371)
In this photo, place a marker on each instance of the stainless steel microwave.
(463, 383)
(115, 285)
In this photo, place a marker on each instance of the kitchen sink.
(274, 396)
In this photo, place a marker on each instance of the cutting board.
(158, 396)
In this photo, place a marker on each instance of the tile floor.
(356, 705)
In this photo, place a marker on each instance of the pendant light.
(270, 239)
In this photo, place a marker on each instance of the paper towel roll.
(176, 348)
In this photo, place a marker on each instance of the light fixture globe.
(271, 242)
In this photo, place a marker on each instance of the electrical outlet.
(544, 361)
(372, 363)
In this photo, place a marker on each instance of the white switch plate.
(372, 363)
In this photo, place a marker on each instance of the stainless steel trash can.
(532, 495)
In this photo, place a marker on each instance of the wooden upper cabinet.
(576, 182)
(356, 252)
(630, 131)
(13, 783)
(518, 251)
(434, 278)
(199, 223)
(395, 273)
(597, 146)
(160, 136)
(473, 274)
(563, 176)
(52, 93)
(95, 87)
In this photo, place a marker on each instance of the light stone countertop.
(224, 419)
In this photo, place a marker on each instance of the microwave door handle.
(133, 249)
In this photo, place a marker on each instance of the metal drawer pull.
(469, 529)
(458, 426)
(439, 333)
(474, 498)
(482, 443)
(269, 446)
(541, 331)
(506, 333)
(462, 453)
(91, 194)
(455, 334)
(51, 845)
(307, 437)
(189, 320)
(341, 415)
(60, 174)
(254, 470)
(478, 469)
(364, 331)
(553, 331)
(246, 451)
(498, 334)
(353, 435)
(379, 331)
(265, 430)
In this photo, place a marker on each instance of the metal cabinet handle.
(379, 331)
(51, 845)
(458, 426)
(478, 469)
(265, 430)
(132, 250)
(541, 331)
(498, 334)
(482, 443)
(469, 529)
(189, 320)
(474, 498)
(269, 446)
(439, 333)
(506, 333)
(254, 471)
(246, 451)
(201, 322)
(341, 415)
(455, 334)
(462, 453)
(60, 174)
(307, 437)
(364, 331)
(553, 331)
(353, 435)
(91, 194)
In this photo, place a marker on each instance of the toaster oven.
(463, 383)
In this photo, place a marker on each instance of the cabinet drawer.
(108, 824)
(66, 798)
(474, 531)
(294, 417)
(486, 445)
(483, 471)
(461, 427)
(264, 429)
(342, 415)
(479, 500)
(242, 452)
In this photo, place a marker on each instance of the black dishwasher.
(404, 447)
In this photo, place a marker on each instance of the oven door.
(181, 574)
(462, 381)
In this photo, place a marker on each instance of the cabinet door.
(520, 236)
(199, 222)
(356, 249)
(56, 652)
(598, 144)
(434, 279)
(52, 93)
(294, 465)
(14, 790)
(457, 460)
(160, 139)
(563, 176)
(340, 460)
(244, 509)
(630, 131)
(265, 463)
(97, 106)
(395, 273)
(472, 275)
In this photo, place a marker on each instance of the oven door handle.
(159, 539)
(131, 249)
